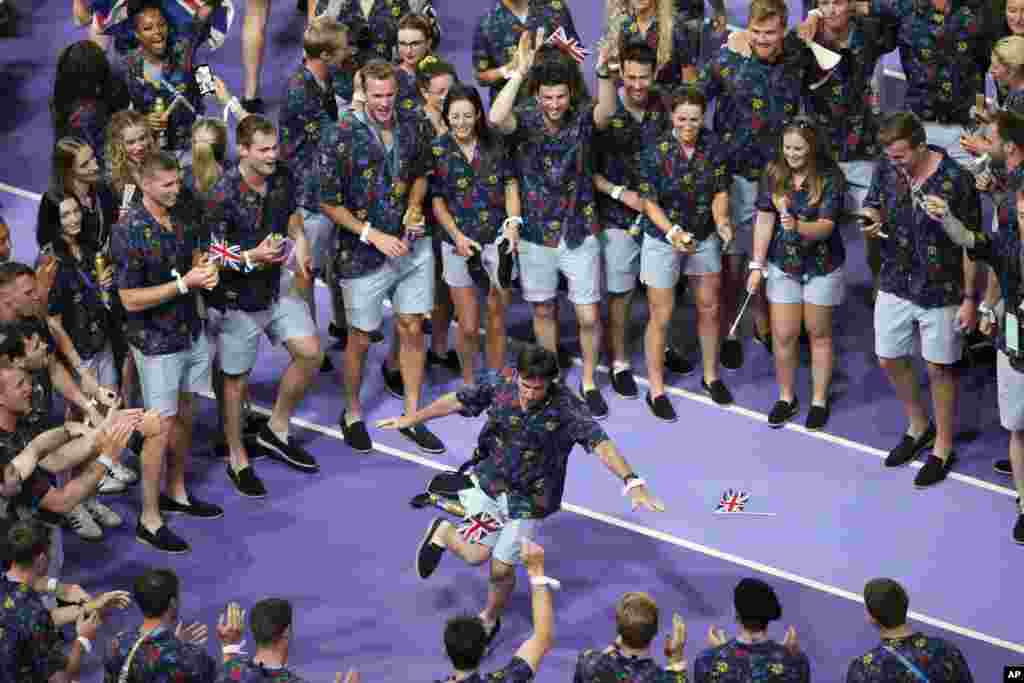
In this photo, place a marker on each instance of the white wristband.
(182, 287)
(755, 265)
(86, 644)
(248, 262)
(616, 192)
(632, 484)
(506, 72)
(364, 236)
(816, 13)
(51, 585)
(672, 232)
(554, 584)
(106, 462)
(235, 649)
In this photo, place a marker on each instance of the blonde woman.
(655, 23)
(1007, 70)
(129, 141)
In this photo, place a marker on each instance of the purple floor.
(841, 517)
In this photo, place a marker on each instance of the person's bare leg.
(254, 33)
(497, 334)
(468, 309)
(235, 388)
(502, 583)
(412, 358)
(545, 325)
(355, 359)
(943, 381)
(619, 308)
(707, 291)
(306, 360)
(819, 329)
(590, 342)
(908, 391)
(660, 303)
(179, 448)
(154, 450)
(786, 319)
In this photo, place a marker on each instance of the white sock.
(620, 366)
(281, 435)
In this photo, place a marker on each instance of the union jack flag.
(570, 46)
(227, 255)
(478, 527)
(733, 501)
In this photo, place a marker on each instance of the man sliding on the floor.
(518, 472)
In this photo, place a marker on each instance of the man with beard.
(518, 471)
(151, 247)
(553, 138)
(373, 175)
(247, 208)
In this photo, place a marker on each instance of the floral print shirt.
(919, 262)
(303, 117)
(143, 253)
(77, 300)
(374, 36)
(357, 172)
(790, 251)
(616, 149)
(612, 665)
(938, 659)
(528, 450)
(685, 48)
(764, 662)
(754, 99)
(237, 214)
(473, 191)
(161, 658)
(176, 73)
(517, 671)
(242, 669)
(684, 188)
(842, 108)
(944, 55)
(555, 171)
(30, 643)
(497, 34)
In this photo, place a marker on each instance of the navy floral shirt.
(473, 191)
(517, 671)
(497, 34)
(765, 662)
(303, 119)
(556, 183)
(357, 172)
(842, 107)
(30, 644)
(685, 50)
(407, 97)
(684, 188)
(177, 73)
(937, 659)
(239, 215)
(143, 253)
(612, 665)
(754, 99)
(919, 262)
(944, 56)
(161, 658)
(795, 254)
(688, 10)
(76, 299)
(88, 122)
(374, 36)
(242, 669)
(616, 149)
(528, 450)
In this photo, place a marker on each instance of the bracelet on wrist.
(633, 483)
(616, 193)
(547, 581)
(233, 649)
(672, 231)
(179, 281)
(52, 585)
(755, 265)
(364, 236)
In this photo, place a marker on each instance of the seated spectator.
(161, 649)
(466, 639)
(751, 653)
(904, 654)
(271, 624)
(629, 657)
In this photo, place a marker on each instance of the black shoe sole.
(420, 448)
(792, 413)
(232, 477)
(422, 544)
(650, 409)
(629, 397)
(951, 462)
(917, 452)
(1003, 472)
(276, 454)
(162, 550)
(344, 433)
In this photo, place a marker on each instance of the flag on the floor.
(733, 501)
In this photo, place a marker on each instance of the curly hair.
(118, 164)
(618, 12)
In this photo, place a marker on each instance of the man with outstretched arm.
(518, 472)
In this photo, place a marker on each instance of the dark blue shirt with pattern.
(303, 119)
(497, 34)
(616, 150)
(517, 671)
(944, 54)
(76, 299)
(685, 49)
(30, 644)
(161, 658)
(793, 253)
(594, 666)
(939, 660)
(242, 669)
(556, 184)
(373, 183)
(684, 188)
(919, 262)
(237, 214)
(764, 662)
(375, 36)
(473, 191)
(527, 450)
(144, 253)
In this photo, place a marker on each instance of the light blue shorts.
(948, 138)
(165, 377)
(1010, 388)
(487, 523)
(238, 333)
(320, 234)
(408, 281)
(455, 271)
(620, 257)
(539, 267)
(941, 342)
(661, 264)
(742, 212)
(821, 290)
(104, 367)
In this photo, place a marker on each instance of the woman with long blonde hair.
(656, 23)
(129, 141)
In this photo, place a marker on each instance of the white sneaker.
(110, 485)
(102, 514)
(125, 475)
(82, 523)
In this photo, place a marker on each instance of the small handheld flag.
(568, 45)
(227, 256)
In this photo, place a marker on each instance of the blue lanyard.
(918, 674)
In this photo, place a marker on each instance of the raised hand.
(231, 625)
